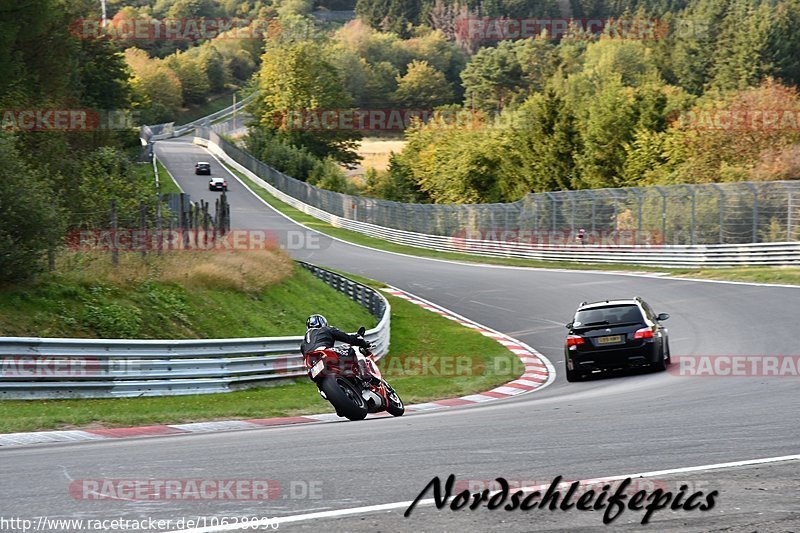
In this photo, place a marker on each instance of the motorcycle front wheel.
(395, 407)
(345, 397)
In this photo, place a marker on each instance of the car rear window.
(617, 314)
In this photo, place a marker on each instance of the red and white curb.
(539, 373)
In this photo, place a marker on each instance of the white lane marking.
(493, 306)
(649, 275)
(430, 501)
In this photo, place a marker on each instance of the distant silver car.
(202, 167)
(217, 184)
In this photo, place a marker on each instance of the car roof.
(203, 163)
(217, 178)
(607, 303)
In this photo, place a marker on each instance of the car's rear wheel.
(661, 364)
(573, 375)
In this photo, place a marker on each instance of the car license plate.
(318, 368)
(611, 339)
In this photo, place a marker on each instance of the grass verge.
(782, 275)
(180, 295)
(165, 181)
(431, 358)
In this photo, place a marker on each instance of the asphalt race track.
(603, 427)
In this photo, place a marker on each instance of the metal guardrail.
(680, 256)
(40, 368)
(159, 132)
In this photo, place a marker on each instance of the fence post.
(692, 219)
(159, 226)
(182, 222)
(114, 250)
(143, 226)
(205, 224)
(553, 210)
(789, 218)
(216, 218)
(640, 200)
(755, 210)
(663, 213)
(196, 223)
(721, 205)
(572, 220)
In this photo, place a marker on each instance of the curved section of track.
(597, 428)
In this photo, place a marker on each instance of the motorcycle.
(353, 389)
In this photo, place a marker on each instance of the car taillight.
(224, 183)
(574, 340)
(644, 333)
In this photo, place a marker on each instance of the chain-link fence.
(715, 213)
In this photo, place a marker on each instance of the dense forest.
(579, 110)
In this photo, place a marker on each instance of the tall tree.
(542, 145)
(297, 77)
(423, 87)
(606, 129)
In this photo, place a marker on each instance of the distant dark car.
(615, 334)
(202, 168)
(217, 184)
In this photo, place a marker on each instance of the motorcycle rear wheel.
(344, 397)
